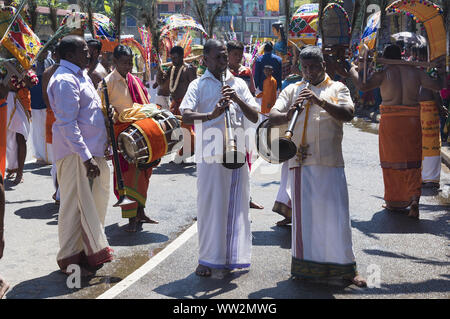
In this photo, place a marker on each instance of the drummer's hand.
(92, 168)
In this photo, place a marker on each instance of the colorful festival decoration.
(336, 28)
(21, 42)
(369, 36)
(304, 24)
(428, 14)
(181, 22)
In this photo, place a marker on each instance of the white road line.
(149, 265)
(159, 257)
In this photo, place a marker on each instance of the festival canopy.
(430, 15)
(103, 26)
(304, 23)
(181, 22)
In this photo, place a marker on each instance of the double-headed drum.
(147, 140)
(267, 141)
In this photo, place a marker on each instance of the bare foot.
(395, 209)
(4, 286)
(203, 271)
(284, 222)
(131, 228)
(414, 210)
(358, 281)
(10, 174)
(18, 179)
(255, 205)
(147, 220)
(83, 272)
(142, 218)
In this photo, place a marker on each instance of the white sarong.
(321, 232)
(283, 203)
(223, 222)
(82, 213)
(17, 122)
(38, 135)
(431, 169)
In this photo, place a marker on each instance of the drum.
(147, 140)
(267, 141)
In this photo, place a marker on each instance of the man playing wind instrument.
(321, 233)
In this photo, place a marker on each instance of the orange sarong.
(175, 109)
(400, 144)
(3, 119)
(49, 120)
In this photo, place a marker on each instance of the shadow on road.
(172, 168)
(386, 222)
(53, 285)
(196, 287)
(278, 236)
(377, 252)
(46, 211)
(117, 236)
(296, 289)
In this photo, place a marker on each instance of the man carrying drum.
(124, 90)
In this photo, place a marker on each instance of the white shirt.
(324, 133)
(79, 126)
(202, 96)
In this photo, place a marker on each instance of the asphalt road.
(403, 258)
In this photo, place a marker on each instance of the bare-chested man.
(179, 76)
(96, 70)
(400, 129)
(163, 93)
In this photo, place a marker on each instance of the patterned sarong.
(431, 142)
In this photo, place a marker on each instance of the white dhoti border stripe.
(321, 231)
(38, 134)
(82, 213)
(223, 222)
(431, 169)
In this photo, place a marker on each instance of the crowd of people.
(68, 94)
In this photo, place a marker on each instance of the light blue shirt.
(79, 126)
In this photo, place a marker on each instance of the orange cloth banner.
(273, 5)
